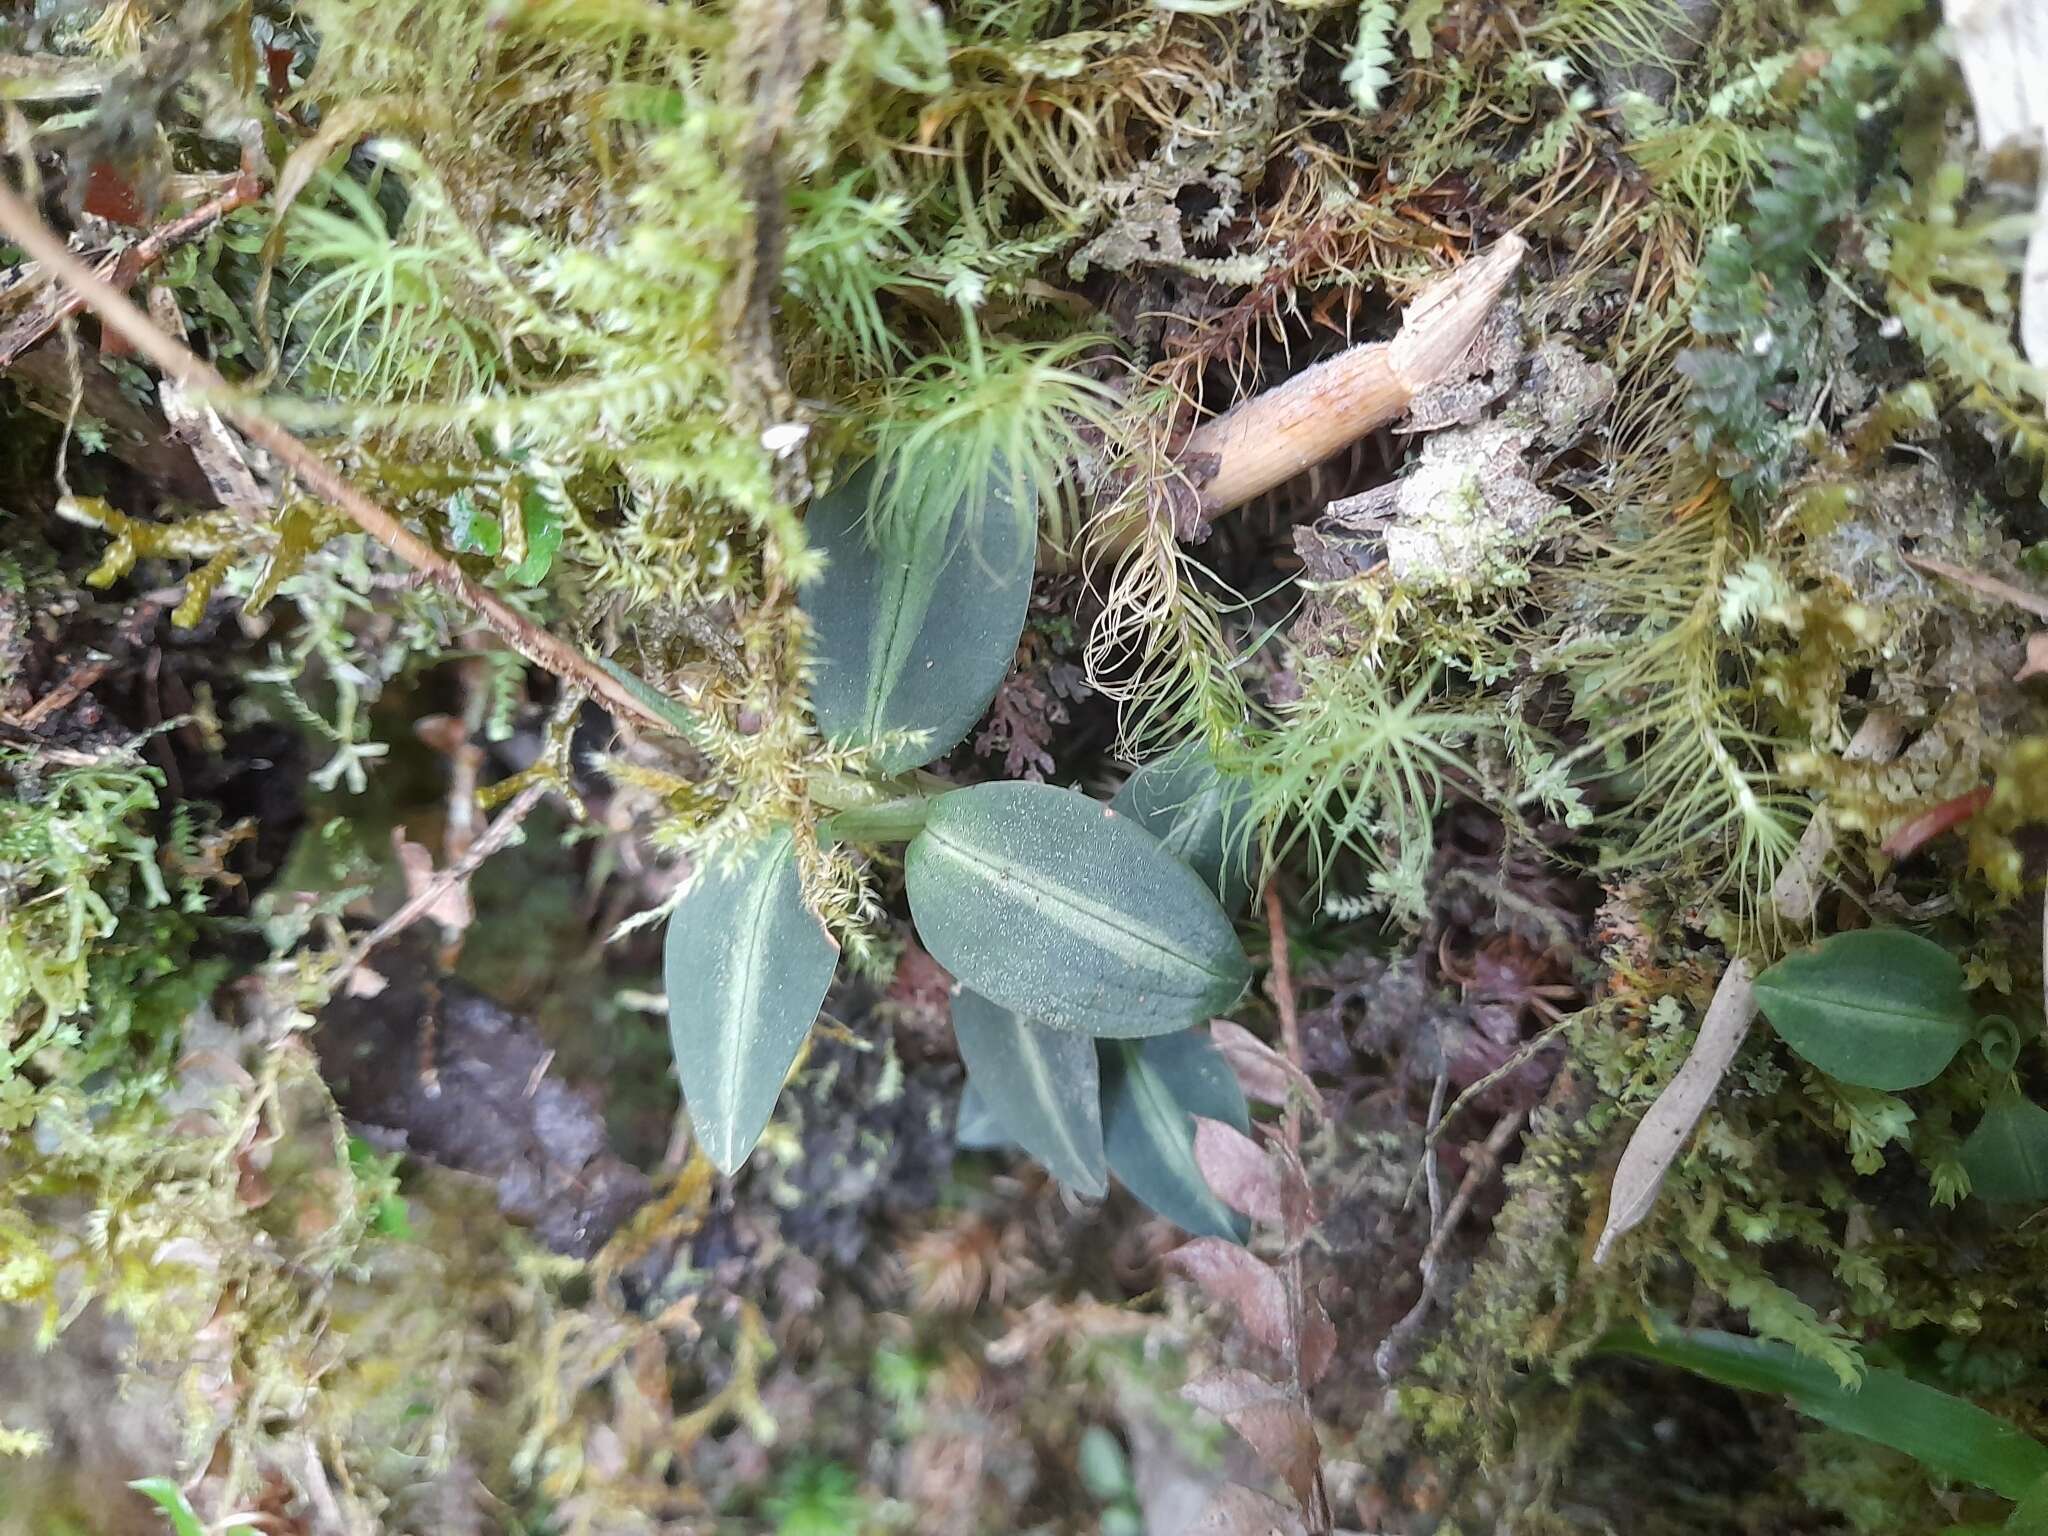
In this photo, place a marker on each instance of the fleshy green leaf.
(1946, 1433)
(1202, 818)
(169, 1498)
(918, 638)
(2030, 1515)
(1879, 1008)
(1041, 1085)
(541, 521)
(977, 1128)
(2007, 1155)
(747, 967)
(471, 530)
(1074, 916)
(1151, 1090)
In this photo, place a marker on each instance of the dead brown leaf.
(1281, 1436)
(1232, 1277)
(1240, 1511)
(450, 905)
(1228, 1389)
(1240, 1171)
(1988, 586)
(1262, 1072)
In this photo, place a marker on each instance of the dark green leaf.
(1151, 1090)
(2007, 1155)
(2030, 1515)
(1201, 817)
(1954, 1437)
(1879, 1008)
(1998, 1038)
(747, 967)
(1053, 905)
(1041, 1085)
(916, 639)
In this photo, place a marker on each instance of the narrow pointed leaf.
(747, 966)
(1151, 1092)
(1202, 818)
(1879, 1008)
(1072, 915)
(1947, 1433)
(1041, 1086)
(2007, 1155)
(916, 639)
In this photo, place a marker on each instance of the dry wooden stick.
(119, 314)
(1322, 410)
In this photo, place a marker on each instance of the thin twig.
(494, 837)
(119, 314)
(1283, 1002)
(127, 265)
(1391, 1356)
(1431, 1175)
(1281, 984)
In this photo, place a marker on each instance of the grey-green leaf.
(1151, 1090)
(1202, 818)
(2007, 1155)
(1041, 1086)
(1064, 911)
(917, 639)
(976, 1128)
(1879, 1008)
(747, 966)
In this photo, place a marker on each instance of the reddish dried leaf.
(1262, 1072)
(1240, 1511)
(1930, 824)
(1234, 1278)
(2036, 664)
(1226, 1390)
(1281, 1436)
(1297, 1202)
(110, 194)
(1239, 1170)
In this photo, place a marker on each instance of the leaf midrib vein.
(1060, 902)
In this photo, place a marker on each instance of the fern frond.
(384, 318)
(1158, 650)
(1660, 687)
(1006, 411)
(1366, 68)
(1355, 767)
